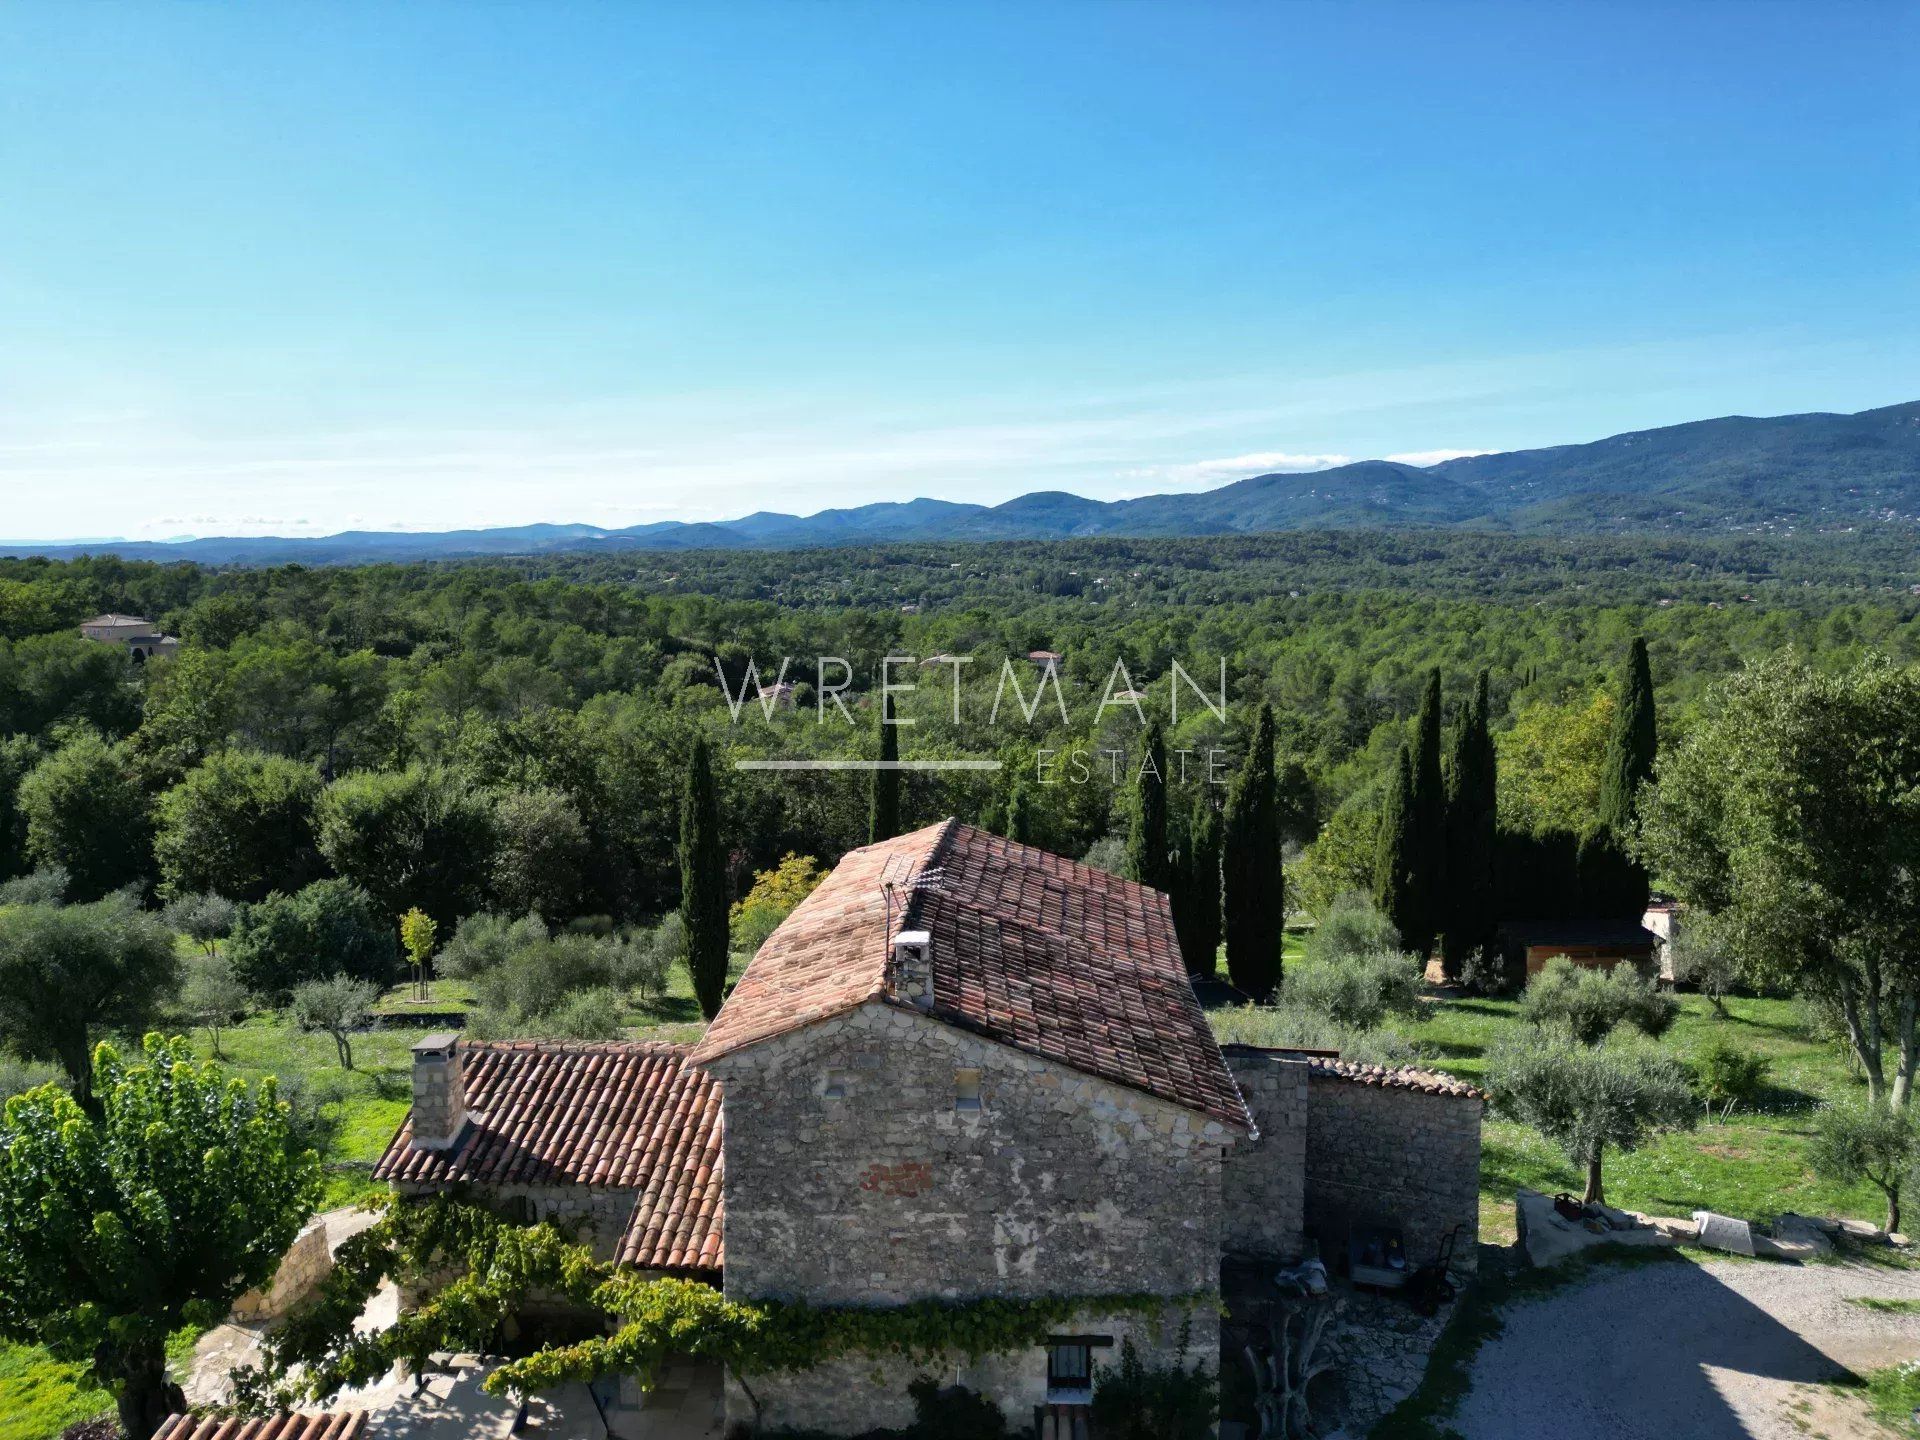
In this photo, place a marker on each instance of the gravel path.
(1725, 1350)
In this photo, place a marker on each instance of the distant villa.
(135, 634)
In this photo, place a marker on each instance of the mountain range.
(1737, 473)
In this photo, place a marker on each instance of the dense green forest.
(532, 718)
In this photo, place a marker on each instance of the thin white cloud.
(1237, 467)
(1424, 458)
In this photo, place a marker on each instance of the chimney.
(913, 968)
(439, 1096)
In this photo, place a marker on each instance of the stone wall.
(307, 1262)
(1388, 1154)
(597, 1216)
(1263, 1184)
(855, 1176)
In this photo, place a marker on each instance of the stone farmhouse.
(962, 1067)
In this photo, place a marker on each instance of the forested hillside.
(547, 706)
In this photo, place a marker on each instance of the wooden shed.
(1598, 944)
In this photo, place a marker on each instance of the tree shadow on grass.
(670, 1010)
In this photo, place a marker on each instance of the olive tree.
(68, 972)
(118, 1228)
(1789, 815)
(1855, 1143)
(1589, 1099)
(339, 1006)
(1589, 1004)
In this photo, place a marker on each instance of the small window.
(836, 1086)
(521, 1210)
(966, 1089)
(1070, 1365)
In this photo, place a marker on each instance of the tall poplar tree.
(1472, 808)
(1148, 859)
(1393, 855)
(703, 882)
(883, 812)
(1255, 900)
(1429, 816)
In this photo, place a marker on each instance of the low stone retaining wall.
(306, 1264)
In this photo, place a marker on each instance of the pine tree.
(1255, 907)
(703, 883)
(1147, 850)
(1428, 874)
(1196, 896)
(1472, 809)
(883, 811)
(1630, 743)
(1393, 855)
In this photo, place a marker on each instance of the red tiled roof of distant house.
(617, 1115)
(1031, 950)
(345, 1426)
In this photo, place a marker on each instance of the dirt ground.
(1722, 1350)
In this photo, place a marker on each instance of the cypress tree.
(1428, 873)
(1393, 854)
(1020, 814)
(1472, 811)
(1616, 884)
(1630, 743)
(883, 811)
(703, 883)
(1196, 896)
(1255, 907)
(1147, 857)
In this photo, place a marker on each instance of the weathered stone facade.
(1377, 1152)
(859, 1172)
(1263, 1183)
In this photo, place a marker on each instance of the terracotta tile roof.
(618, 1116)
(1427, 1082)
(1051, 957)
(344, 1426)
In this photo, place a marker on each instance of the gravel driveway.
(1726, 1350)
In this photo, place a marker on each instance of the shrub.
(484, 940)
(1109, 853)
(1136, 1401)
(42, 887)
(329, 928)
(773, 897)
(1357, 992)
(953, 1412)
(19, 1076)
(1281, 1027)
(1352, 926)
(1589, 1004)
(1726, 1075)
(583, 1015)
(537, 977)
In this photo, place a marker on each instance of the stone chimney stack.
(913, 968)
(439, 1096)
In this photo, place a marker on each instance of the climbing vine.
(493, 1266)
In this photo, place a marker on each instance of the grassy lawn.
(40, 1396)
(1753, 1165)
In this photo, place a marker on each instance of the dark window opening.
(1070, 1365)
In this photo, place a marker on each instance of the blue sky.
(292, 269)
